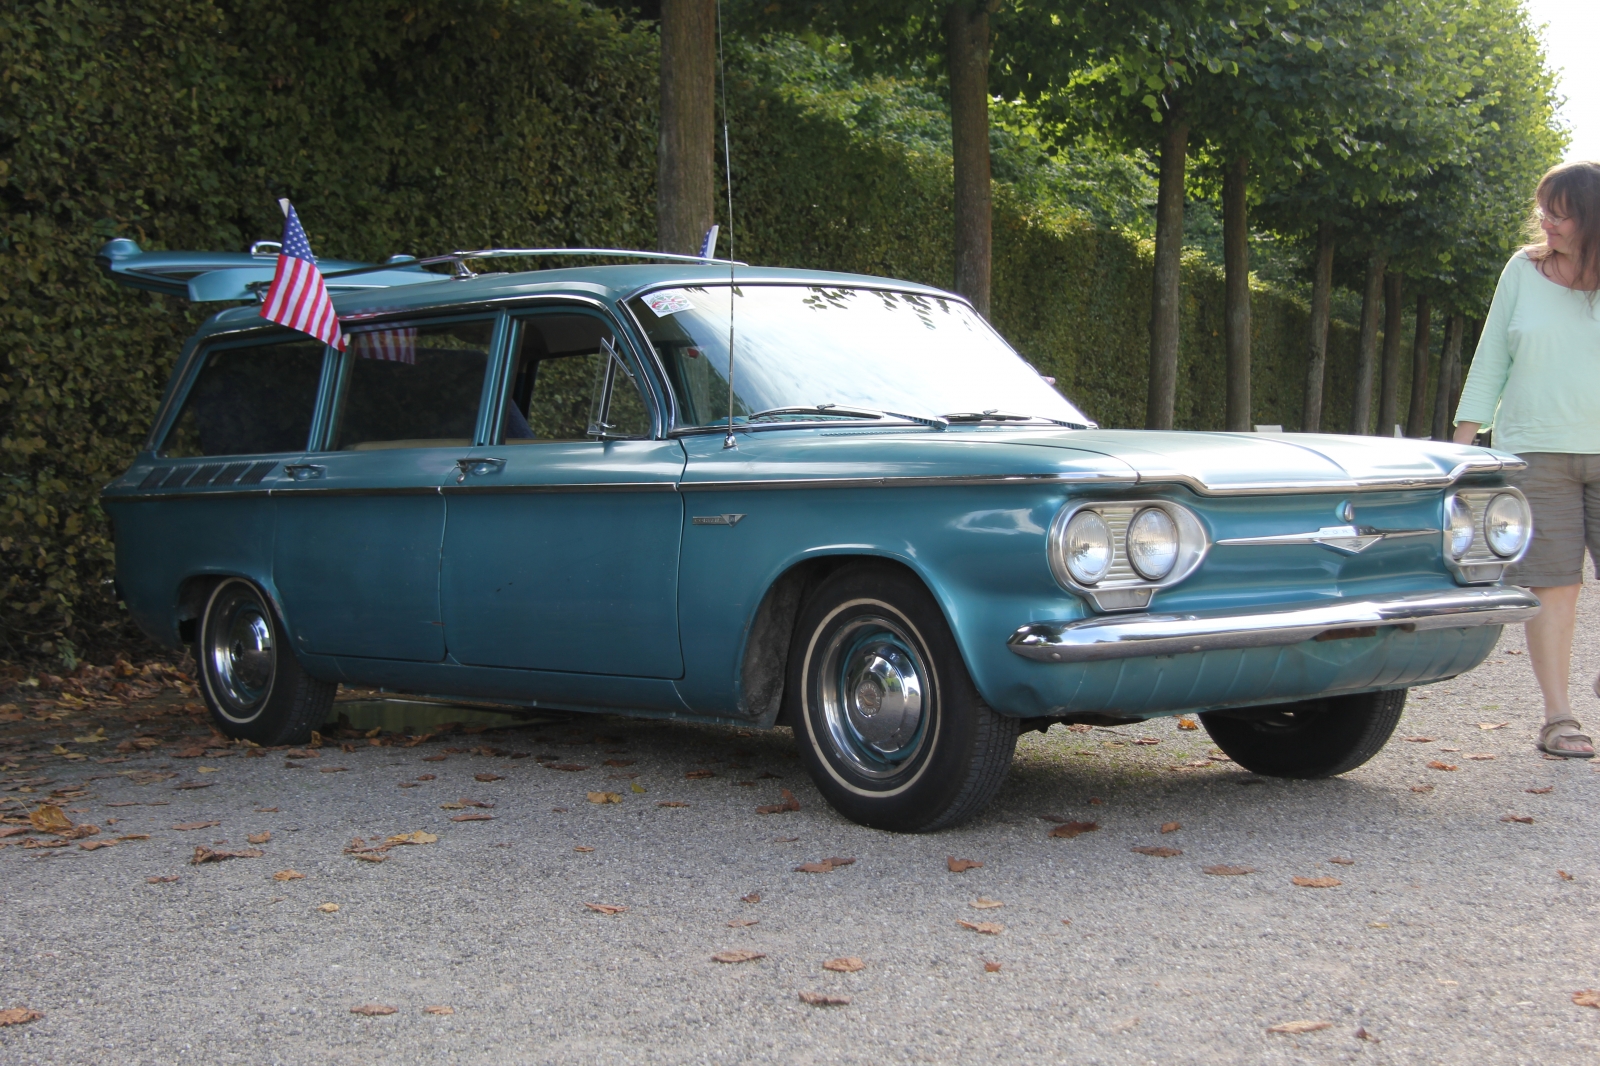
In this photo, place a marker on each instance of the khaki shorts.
(1564, 492)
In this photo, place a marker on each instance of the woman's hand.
(1466, 432)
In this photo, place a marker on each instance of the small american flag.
(298, 298)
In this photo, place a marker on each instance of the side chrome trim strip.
(1126, 637)
(910, 482)
(1351, 539)
(526, 490)
(1371, 484)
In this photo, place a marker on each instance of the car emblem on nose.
(718, 519)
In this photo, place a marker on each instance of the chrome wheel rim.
(875, 696)
(241, 655)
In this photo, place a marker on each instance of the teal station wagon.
(890, 534)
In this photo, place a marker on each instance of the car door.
(561, 540)
(356, 559)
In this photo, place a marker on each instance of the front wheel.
(890, 725)
(1313, 738)
(251, 681)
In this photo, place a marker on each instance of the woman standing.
(1536, 380)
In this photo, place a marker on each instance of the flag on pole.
(297, 297)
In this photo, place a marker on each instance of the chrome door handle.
(303, 471)
(477, 468)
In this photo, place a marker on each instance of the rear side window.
(254, 400)
(413, 386)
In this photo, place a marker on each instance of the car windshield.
(809, 353)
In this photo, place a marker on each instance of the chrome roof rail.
(459, 259)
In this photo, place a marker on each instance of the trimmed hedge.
(424, 125)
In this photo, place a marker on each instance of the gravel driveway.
(1452, 935)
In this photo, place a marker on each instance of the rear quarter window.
(249, 400)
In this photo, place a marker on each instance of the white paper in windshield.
(668, 302)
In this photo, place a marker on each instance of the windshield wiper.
(997, 415)
(829, 410)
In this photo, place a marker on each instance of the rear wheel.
(1314, 738)
(890, 725)
(250, 680)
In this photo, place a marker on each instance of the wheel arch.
(195, 591)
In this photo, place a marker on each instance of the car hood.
(1242, 463)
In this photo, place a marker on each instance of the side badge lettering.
(718, 519)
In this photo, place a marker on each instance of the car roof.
(605, 283)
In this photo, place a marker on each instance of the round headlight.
(1088, 547)
(1505, 525)
(1153, 543)
(1458, 526)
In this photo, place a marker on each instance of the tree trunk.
(1449, 369)
(1317, 355)
(1164, 306)
(1470, 337)
(967, 38)
(1417, 419)
(686, 153)
(1236, 291)
(1367, 346)
(1389, 389)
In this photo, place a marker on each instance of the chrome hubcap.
(874, 696)
(241, 654)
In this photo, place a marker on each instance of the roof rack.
(459, 259)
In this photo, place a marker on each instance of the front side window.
(801, 350)
(254, 399)
(413, 386)
(569, 382)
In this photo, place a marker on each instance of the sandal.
(1565, 730)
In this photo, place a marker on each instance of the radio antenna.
(727, 165)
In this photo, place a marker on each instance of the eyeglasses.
(1546, 216)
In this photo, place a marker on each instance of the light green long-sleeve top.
(1536, 375)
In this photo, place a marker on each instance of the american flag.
(298, 298)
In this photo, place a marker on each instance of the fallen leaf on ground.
(983, 904)
(332, 770)
(620, 762)
(1188, 723)
(958, 866)
(569, 767)
(823, 867)
(1564, 875)
(1541, 791)
(737, 956)
(15, 830)
(605, 797)
(329, 908)
(1420, 740)
(1299, 1027)
(740, 923)
(418, 837)
(1228, 871)
(473, 816)
(986, 928)
(434, 758)
(95, 845)
(258, 838)
(1341, 861)
(1157, 851)
(1317, 882)
(787, 802)
(207, 769)
(19, 1016)
(671, 803)
(438, 1010)
(161, 880)
(699, 775)
(1170, 827)
(1146, 740)
(1481, 756)
(754, 897)
(288, 875)
(205, 854)
(1444, 747)
(1525, 819)
(1589, 997)
(1072, 829)
(1493, 725)
(636, 787)
(1437, 765)
(48, 818)
(487, 777)
(991, 967)
(1422, 788)
(184, 827)
(373, 1010)
(606, 908)
(187, 785)
(847, 964)
(824, 999)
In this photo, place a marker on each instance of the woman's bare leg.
(1550, 649)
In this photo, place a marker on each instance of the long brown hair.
(1571, 190)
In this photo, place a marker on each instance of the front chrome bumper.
(1129, 636)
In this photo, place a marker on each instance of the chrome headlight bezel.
(1122, 587)
(1521, 524)
(1085, 533)
(1153, 543)
(1481, 564)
